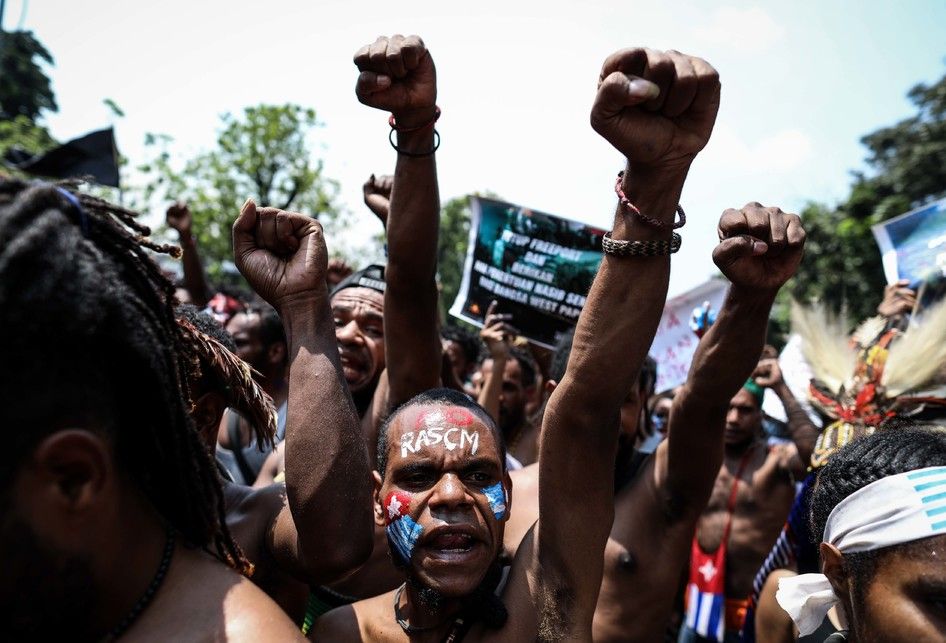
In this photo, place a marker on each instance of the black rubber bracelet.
(414, 154)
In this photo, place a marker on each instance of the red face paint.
(459, 417)
(397, 504)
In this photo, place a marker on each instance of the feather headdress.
(878, 373)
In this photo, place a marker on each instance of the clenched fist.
(759, 248)
(398, 76)
(281, 254)
(656, 107)
(377, 193)
(178, 217)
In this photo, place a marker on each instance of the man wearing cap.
(751, 498)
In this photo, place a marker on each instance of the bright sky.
(802, 82)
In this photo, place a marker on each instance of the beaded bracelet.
(649, 248)
(643, 217)
(393, 123)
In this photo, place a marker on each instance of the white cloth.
(891, 511)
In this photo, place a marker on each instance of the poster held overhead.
(538, 266)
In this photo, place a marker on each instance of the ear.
(70, 469)
(507, 483)
(378, 502)
(277, 353)
(207, 413)
(832, 566)
(550, 386)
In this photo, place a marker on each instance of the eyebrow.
(370, 314)
(424, 466)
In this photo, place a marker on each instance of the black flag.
(92, 155)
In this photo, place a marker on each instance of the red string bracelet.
(643, 217)
(429, 123)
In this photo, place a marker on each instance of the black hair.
(89, 339)
(206, 324)
(526, 365)
(447, 397)
(897, 448)
(467, 341)
(563, 350)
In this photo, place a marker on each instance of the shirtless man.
(659, 499)
(112, 518)
(445, 502)
(751, 498)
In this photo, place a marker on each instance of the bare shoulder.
(339, 624)
(204, 600)
(252, 616)
(369, 620)
(782, 455)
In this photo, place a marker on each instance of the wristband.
(649, 248)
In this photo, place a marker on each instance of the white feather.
(917, 358)
(825, 344)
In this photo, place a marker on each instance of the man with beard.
(113, 518)
(442, 489)
(659, 497)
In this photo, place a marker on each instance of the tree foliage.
(907, 168)
(264, 154)
(451, 251)
(25, 89)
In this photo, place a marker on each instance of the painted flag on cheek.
(402, 536)
(496, 496)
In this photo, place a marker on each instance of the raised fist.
(759, 248)
(377, 190)
(178, 217)
(398, 76)
(656, 107)
(768, 373)
(281, 254)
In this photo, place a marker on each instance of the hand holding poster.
(537, 266)
(913, 245)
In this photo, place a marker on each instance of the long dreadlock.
(88, 338)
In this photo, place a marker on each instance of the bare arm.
(398, 75)
(802, 430)
(195, 281)
(327, 528)
(495, 334)
(658, 109)
(759, 250)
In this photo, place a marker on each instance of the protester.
(446, 516)
(194, 289)
(463, 350)
(261, 342)
(114, 520)
(750, 502)
(876, 509)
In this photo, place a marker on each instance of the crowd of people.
(324, 458)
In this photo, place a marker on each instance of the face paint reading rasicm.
(496, 496)
(435, 432)
(402, 531)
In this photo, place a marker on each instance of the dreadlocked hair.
(88, 338)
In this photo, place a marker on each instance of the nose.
(732, 417)
(348, 333)
(449, 493)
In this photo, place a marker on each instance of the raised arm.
(398, 76)
(801, 429)
(496, 333)
(759, 250)
(658, 109)
(327, 528)
(179, 218)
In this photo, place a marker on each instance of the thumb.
(733, 249)
(618, 91)
(369, 82)
(244, 229)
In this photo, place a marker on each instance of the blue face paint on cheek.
(496, 496)
(402, 536)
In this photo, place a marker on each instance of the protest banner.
(913, 245)
(675, 341)
(537, 266)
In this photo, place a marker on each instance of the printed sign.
(913, 245)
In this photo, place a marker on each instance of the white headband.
(890, 511)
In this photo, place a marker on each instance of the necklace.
(146, 598)
(399, 616)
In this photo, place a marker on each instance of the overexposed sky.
(802, 82)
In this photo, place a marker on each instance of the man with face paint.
(659, 498)
(440, 458)
(877, 511)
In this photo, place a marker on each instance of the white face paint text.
(451, 439)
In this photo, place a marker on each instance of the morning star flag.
(92, 155)
(537, 266)
(913, 245)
